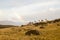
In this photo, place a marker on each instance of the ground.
(49, 32)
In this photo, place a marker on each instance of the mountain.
(9, 23)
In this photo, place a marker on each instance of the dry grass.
(49, 32)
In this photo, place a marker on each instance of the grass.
(49, 32)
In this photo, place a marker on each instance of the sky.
(29, 10)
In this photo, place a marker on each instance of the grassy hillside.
(49, 31)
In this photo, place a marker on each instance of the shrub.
(58, 24)
(34, 32)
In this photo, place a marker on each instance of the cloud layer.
(29, 10)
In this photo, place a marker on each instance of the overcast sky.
(29, 10)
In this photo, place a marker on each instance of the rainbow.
(17, 18)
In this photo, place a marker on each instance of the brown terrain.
(42, 30)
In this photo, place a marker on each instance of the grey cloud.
(15, 3)
(48, 14)
(31, 9)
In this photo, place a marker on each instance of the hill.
(6, 26)
(6, 22)
(44, 30)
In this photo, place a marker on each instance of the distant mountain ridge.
(9, 23)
